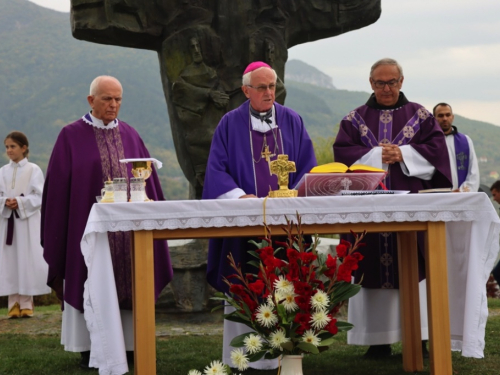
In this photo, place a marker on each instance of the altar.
(464, 224)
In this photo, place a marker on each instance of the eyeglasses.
(391, 83)
(264, 88)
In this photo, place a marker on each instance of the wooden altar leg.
(409, 302)
(143, 303)
(437, 300)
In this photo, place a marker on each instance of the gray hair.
(96, 82)
(386, 61)
(247, 78)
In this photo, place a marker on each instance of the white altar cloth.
(472, 233)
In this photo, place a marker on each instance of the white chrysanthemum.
(252, 343)
(265, 316)
(194, 372)
(319, 319)
(270, 301)
(289, 302)
(277, 338)
(283, 285)
(311, 338)
(320, 300)
(239, 359)
(215, 368)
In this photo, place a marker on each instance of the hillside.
(45, 74)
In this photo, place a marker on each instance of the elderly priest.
(87, 153)
(245, 141)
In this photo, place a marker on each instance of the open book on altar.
(336, 167)
(357, 177)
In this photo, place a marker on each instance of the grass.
(40, 354)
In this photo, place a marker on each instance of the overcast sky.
(449, 50)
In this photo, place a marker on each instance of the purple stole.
(264, 180)
(462, 153)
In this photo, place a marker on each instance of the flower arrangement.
(292, 301)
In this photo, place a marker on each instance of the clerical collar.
(454, 131)
(372, 102)
(262, 116)
(95, 122)
(259, 124)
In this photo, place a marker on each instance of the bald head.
(105, 98)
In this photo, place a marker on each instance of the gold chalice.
(142, 169)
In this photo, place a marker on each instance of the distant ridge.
(299, 71)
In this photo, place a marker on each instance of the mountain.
(299, 71)
(45, 75)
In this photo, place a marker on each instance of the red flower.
(344, 273)
(331, 263)
(237, 289)
(342, 250)
(257, 287)
(332, 326)
(307, 258)
(302, 319)
(252, 305)
(303, 303)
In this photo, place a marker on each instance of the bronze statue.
(204, 46)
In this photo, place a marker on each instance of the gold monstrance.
(281, 167)
(141, 168)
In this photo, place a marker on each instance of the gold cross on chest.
(267, 154)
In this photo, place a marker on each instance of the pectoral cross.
(267, 154)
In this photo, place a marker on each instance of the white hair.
(386, 61)
(94, 86)
(247, 78)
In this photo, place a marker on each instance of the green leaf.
(256, 356)
(310, 348)
(254, 254)
(344, 326)
(287, 346)
(342, 291)
(327, 342)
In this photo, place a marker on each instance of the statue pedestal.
(189, 290)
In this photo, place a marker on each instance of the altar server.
(23, 271)
(245, 141)
(403, 138)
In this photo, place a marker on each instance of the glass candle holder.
(120, 189)
(137, 189)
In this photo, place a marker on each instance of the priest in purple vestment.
(87, 153)
(403, 138)
(244, 142)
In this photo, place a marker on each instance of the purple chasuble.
(232, 164)
(406, 123)
(82, 159)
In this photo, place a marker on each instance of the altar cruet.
(109, 193)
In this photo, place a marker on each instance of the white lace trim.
(327, 210)
(97, 123)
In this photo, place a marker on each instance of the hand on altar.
(248, 196)
(391, 154)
